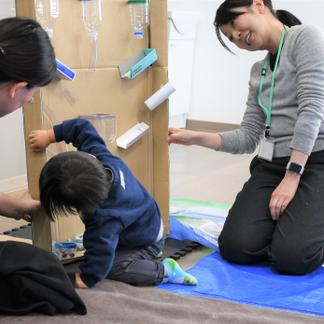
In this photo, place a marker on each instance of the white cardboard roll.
(159, 96)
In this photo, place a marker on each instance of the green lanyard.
(268, 110)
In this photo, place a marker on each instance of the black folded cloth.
(33, 280)
(71, 276)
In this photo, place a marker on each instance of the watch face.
(294, 167)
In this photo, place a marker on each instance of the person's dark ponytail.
(287, 18)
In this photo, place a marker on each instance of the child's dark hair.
(71, 182)
(224, 15)
(26, 53)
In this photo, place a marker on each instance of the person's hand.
(188, 137)
(40, 139)
(18, 207)
(78, 281)
(181, 136)
(28, 205)
(283, 194)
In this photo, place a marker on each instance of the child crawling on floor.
(123, 236)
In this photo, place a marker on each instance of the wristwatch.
(295, 168)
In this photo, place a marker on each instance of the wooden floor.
(203, 174)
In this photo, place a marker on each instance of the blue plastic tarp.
(257, 285)
(180, 231)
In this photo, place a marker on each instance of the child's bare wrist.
(50, 136)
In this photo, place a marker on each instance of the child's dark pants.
(139, 266)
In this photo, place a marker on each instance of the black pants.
(139, 266)
(295, 243)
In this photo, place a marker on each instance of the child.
(123, 235)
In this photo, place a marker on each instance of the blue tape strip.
(62, 68)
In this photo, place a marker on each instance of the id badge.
(266, 149)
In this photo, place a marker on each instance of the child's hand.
(40, 139)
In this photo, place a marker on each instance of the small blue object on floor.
(256, 285)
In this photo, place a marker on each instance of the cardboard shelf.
(138, 63)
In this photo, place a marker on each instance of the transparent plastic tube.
(105, 125)
(140, 16)
(47, 11)
(92, 17)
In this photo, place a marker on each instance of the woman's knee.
(292, 260)
(238, 249)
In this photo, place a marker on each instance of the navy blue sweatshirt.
(129, 216)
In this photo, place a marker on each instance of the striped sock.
(174, 273)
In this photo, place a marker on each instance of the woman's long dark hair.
(224, 15)
(26, 53)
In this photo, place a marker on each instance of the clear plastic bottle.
(92, 17)
(54, 8)
(140, 16)
(47, 11)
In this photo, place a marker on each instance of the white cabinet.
(182, 36)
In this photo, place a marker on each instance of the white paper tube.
(159, 96)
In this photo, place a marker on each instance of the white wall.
(7, 8)
(220, 79)
(12, 147)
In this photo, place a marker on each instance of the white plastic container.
(105, 125)
(140, 16)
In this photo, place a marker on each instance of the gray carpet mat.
(116, 302)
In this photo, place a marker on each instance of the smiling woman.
(277, 216)
(239, 22)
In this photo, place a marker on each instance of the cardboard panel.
(25, 8)
(41, 228)
(160, 120)
(102, 91)
(159, 31)
(66, 228)
(105, 92)
(115, 43)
